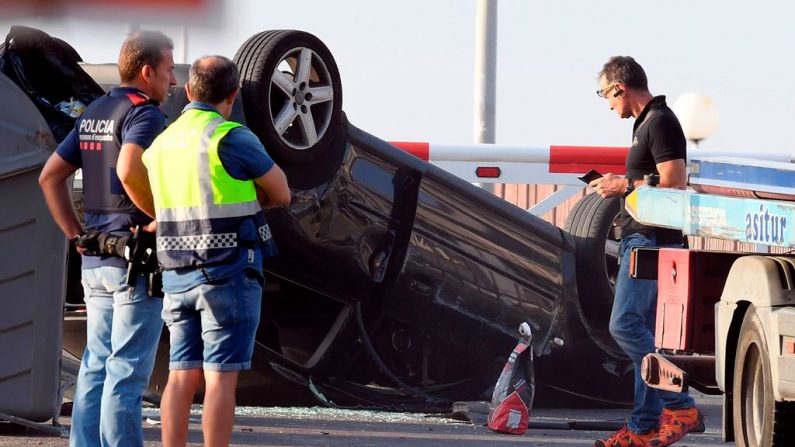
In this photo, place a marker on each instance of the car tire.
(292, 94)
(758, 419)
(593, 222)
(589, 369)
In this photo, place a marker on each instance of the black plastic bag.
(47, 69)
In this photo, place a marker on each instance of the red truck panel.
(689, 283)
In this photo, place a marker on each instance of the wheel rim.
(301, 98)
(753, 395)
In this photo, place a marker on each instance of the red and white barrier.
(555, 165)
(494, 163)
(559, 165)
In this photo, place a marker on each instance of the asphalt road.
(259, 426)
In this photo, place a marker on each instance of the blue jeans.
(123, 327)
(632, 324)
(212, 326)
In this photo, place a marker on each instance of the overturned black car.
(398, 285)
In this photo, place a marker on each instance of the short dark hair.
(626, 70)
(213, 78)
(143, 47)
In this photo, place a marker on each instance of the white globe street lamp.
(697, 114)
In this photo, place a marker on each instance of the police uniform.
(123, 324)
(211, 238)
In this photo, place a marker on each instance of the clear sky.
(407, 66)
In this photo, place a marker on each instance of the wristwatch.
(630, 186)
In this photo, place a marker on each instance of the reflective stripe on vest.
(200, 242)
(198, 222)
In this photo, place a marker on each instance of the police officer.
(205, 174)
(123, 321)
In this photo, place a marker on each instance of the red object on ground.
(510, 416)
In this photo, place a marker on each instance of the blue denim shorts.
(212, 326)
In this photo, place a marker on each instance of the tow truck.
(726, 320)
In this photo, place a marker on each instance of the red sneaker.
(627, 438)
(675, 424)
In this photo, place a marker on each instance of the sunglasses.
(602, 92)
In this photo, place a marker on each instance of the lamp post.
(698, 116)
(485, 75)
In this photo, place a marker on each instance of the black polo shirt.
(657, 137)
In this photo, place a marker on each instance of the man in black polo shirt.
(659, 418)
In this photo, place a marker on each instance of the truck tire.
(758, 419)
(292, 94)
(592, 222)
